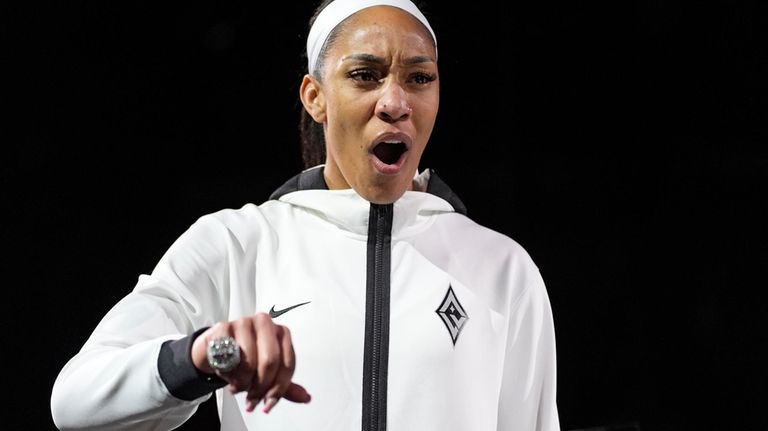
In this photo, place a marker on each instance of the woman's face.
(378, 102)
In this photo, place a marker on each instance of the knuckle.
(222, 327)
(247, 361)
(267, 374)
(262, 318)
(290, 364)
(270, 361)
(283, 381)
(239, 325)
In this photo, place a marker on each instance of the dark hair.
(311, 133)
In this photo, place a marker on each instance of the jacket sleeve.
(528, 392)
(113, 382)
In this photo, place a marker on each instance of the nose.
(393, 104)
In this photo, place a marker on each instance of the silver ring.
(223, 354)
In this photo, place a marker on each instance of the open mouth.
(389, 152)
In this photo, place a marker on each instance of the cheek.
(343, 142)
(426, 106)
(425, 119)
(351, 120)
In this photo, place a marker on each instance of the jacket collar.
(349, 211)
(312, 179)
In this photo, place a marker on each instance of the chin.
(382, 189)
(382, 194)
(382, 198)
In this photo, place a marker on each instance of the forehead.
(377, 28)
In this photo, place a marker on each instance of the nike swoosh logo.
(274, 313)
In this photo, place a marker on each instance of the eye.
(423, 78)
(363, 75)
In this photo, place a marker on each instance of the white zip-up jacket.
(412, 317)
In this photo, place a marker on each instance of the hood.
(349, 211)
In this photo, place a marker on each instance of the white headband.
(339, 10)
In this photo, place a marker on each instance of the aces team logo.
(452, 314)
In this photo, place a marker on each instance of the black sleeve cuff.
(179, 374)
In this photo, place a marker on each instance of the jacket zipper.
(376, 355)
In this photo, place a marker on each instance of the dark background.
(623, 144)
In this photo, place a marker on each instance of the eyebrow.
(370, 58)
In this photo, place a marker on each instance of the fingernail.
(269, 403)
(251, 404)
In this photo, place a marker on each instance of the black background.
(623, 144)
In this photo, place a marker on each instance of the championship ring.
(223, 354)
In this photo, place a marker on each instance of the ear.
(311, 95)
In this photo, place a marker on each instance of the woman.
(402, 313)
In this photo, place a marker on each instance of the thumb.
(297, 394)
